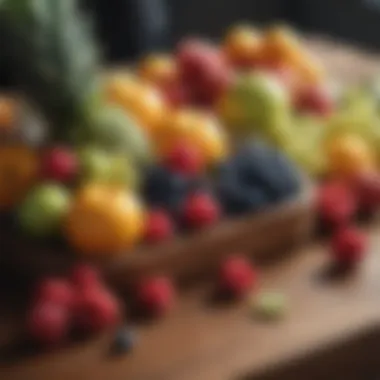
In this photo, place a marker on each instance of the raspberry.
(159, 226)
(96, 310)
(155, 296)
(201, 210)
(59, 164)
(55, 291)
(85, 276)
(185, 158)
(367, 188)
(336, 203)
(348, 245)
(48, 323)
(237, 276)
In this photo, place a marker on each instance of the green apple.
(99, 165)
(42, 211)
(263, 101)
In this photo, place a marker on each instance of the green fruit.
(98, 165)
(263, 102)
(43, 209)
(52, 48)
(113, 130)
(305, 145)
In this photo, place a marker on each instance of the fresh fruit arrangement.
(181, 143)
(135, 157)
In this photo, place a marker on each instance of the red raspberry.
(237, 276)
(185, 158)
(159, 226)
(48, 323)
(201, 209)
(336, 203)
(367, 188)
(348, 245)
(96, 310)
(156, 295)
(59, 164)
(55, 291)
(85, 276)
(314, 99)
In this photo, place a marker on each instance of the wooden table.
(331, 331)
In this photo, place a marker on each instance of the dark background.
(131, 27)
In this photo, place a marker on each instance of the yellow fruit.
(348, 155)
(104, 220)
(199, 128)
(243, 45)
(158, 69)
(208, 136)
(8, 108)
(19, 167)
(141, 100)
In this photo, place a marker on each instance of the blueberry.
(124, 341)
(164, 188)
(238, 200)
(260, 165)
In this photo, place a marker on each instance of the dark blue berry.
(124, 342)
(163, 188)
(239, 200)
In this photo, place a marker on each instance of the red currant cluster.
(339, 204)
(80, 303)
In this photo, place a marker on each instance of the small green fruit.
(43, 209)
(112, 129)
(98, 165)
(263, 101)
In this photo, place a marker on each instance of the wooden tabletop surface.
(202, 340)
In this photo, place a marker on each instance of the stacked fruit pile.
(134, 156)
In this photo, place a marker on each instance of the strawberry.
(155, 295)
(237, 276)
(158, 227)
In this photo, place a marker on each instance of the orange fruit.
(19, 169)
(104, 220)
(281, 44)
(196, 127)
(349, 155)
(159, 69)
(141, 100)
(8, 109)
(243, 45)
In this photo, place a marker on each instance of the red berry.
(237, 276)
(201, 209)
(96, 310)
(59, 164)
(367, 188)
(336, 203)
(314, 99)
(55, 291)
(48, 323)
(185, 158)
(85, 276)
(159, 226)
(348, 245)
(155, 296)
